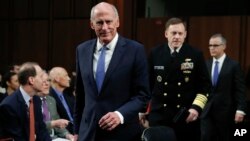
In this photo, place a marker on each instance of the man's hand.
(70, 137)
(143, 120)
(238, 117)
(193, 115)
(59, 123)
(109, 121)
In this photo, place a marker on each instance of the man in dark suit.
(180, 83)
(227, 102)
(109, 110)
(14, 109)
(59, 81)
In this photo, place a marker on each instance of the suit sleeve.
(80, 98)
(203, 84)
(140, 86)
(240, 88)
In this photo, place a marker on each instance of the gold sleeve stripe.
(200, 100)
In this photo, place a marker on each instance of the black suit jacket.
(229, 94)
(14, 118)
(61, 110)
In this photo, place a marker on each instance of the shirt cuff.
(120, 116)
(241, 112)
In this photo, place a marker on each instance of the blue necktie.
(216, 73)
(65, 105)
(100, 70)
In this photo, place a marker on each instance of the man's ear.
(31, 80)
(92, 25)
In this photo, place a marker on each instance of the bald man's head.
(59, 78)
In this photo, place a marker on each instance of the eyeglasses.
(214, 45)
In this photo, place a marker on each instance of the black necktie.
(174, 54)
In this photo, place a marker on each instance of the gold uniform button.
(179, 83)
(165, 94)
(166, 83)
(165, 105)
(179, 95)
(178, 106)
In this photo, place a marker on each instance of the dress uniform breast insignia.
(187, 68)
(187, 65)
(159, 78)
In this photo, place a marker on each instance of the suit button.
(165, 94)
(166, 83)
(179, 83)
(179, 95)
(165, 105)
(178, 106)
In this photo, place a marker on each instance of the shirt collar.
(25, 95)
(58, 93)
(110, 46)
(221, 59)
(172, 49)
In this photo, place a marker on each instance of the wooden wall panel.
(4, 46)
(201, 28)
(150, 32)
(30, 42)
(20, 8)
(40, 8)
(248, 45)
(66, 36)
(62, 8)
(4, 8)
(82, 8)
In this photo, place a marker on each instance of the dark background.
(48, 31)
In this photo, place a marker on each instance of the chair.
(158, 133)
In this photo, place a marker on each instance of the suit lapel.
(23, 112)
(224, 68)
(117, 55)
(209, 66)
(87, 63)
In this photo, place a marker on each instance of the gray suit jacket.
(54, 116)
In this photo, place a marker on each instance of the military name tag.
(159, 67)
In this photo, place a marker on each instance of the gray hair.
(219, 35)
(93, 9)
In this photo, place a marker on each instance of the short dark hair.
(7, 77)
(26, 70)
(174, 21)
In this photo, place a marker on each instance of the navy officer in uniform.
(180, 83)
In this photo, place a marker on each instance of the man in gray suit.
(227, 102)
(54, 124)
